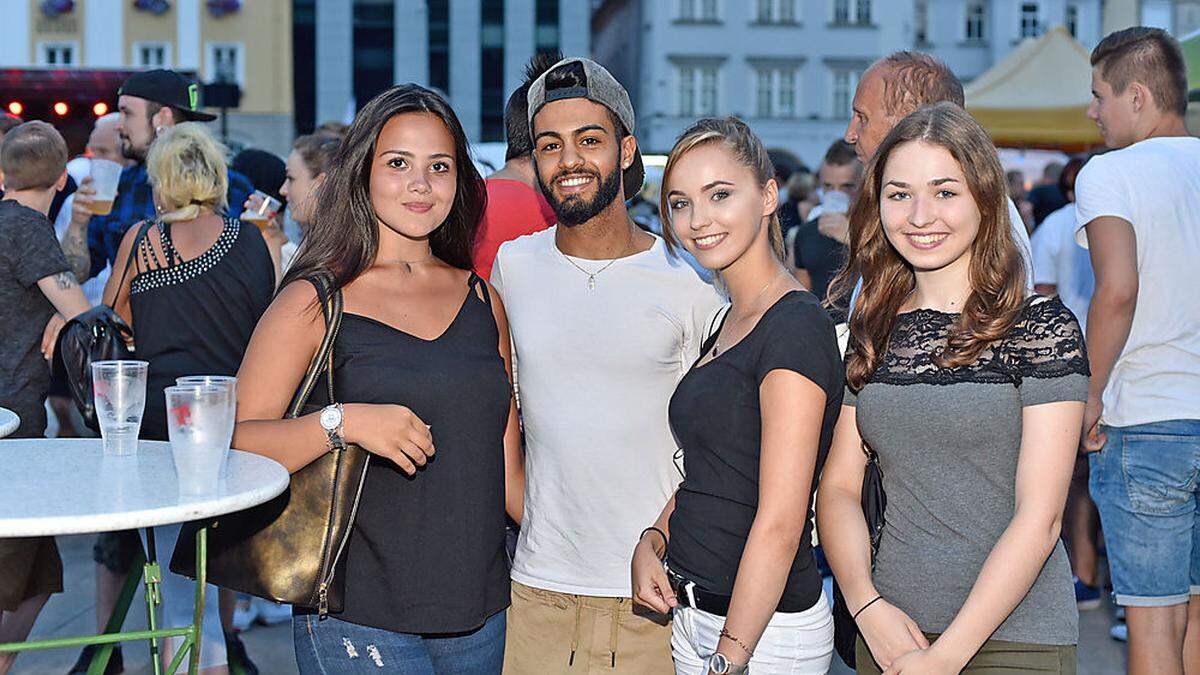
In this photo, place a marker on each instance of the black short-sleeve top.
(716, 417)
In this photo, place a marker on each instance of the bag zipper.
(323, 589)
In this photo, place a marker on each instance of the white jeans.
(793, 643)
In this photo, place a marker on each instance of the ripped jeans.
(336, 647)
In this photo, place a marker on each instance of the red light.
(61, 109)
(100, 109)
(15, 108)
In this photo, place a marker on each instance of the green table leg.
(152, 576)
(117, 619)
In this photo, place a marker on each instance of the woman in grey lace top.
(972, 396)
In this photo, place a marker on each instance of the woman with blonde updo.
(194, 285)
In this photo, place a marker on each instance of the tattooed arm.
(63, 291)
(75, 239)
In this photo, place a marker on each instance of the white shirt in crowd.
(1155, 186)
(595, 370)
(1058, 260)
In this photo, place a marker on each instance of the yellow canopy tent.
(1037, 96)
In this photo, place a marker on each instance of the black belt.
(688, 593)
(691, 595)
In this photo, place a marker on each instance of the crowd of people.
(682, 461)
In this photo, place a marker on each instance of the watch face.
(719, 664)
(331, 418)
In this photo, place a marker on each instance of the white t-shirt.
(1154, 185)
(1058, 260)
(596, 370)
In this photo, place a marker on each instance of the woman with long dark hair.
(421, 373)
(971, 394)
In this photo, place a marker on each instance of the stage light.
(61, 109)
(100, 109)
(16, 108)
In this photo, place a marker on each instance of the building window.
(845, 81)
(698, 10)
(1072, 20)
(151, 54)
(775, 91)
(921, 22)
(225, 63)
(975, 29)
(373, 58)
(775, 11)
(545, 32)
(57, 53)
(438, 25)
(1029, 20)
(491, 80)
(852, 12)
(697, 90)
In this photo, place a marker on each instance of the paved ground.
(73, 613)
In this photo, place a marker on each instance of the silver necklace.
(716, 350)
(591, 275)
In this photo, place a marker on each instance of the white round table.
(68, 486)
(9, 421)
(55, 486)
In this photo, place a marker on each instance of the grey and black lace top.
(948, 441)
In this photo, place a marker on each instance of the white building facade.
(790, 67)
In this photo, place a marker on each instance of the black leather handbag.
(289, 549)
(98, 334)
(874, 501)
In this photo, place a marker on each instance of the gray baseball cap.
(599, 86)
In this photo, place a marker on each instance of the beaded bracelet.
(730, 636)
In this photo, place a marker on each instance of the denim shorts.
(331, 646)
(1146, 485)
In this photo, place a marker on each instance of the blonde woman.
(195, 288)
(755, 416)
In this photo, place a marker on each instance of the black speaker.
(222, 95)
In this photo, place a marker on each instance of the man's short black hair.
(516, 122)
(571, 75)
(840, 153)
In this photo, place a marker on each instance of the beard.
(129, 150)
(575, 210)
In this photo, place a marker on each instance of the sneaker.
(270, 613)
(1086, 597)
(244, 614)
(1119, 632)
(239, 660)
(116, 664)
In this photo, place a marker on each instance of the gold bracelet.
(726, 634)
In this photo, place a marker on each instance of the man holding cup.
(103, 211)
(820, 252)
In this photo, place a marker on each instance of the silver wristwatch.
(331, 419)
(721, 665)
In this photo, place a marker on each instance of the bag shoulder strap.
(143, 230)
(322, 362)
(714, 324)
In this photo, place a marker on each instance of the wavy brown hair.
(997, 272)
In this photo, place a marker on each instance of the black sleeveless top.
(195, 317)
(426, 554)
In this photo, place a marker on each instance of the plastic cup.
(264, 208)
(198, 421)
(219, 381)
(835, 201)
(119, 392)
(105, 176)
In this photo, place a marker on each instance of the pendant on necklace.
(591, 282)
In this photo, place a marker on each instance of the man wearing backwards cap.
(148, 102)
(604, 325)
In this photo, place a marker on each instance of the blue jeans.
(1146, 485)
(336, 647)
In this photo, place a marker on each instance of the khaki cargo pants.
(550, 632)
